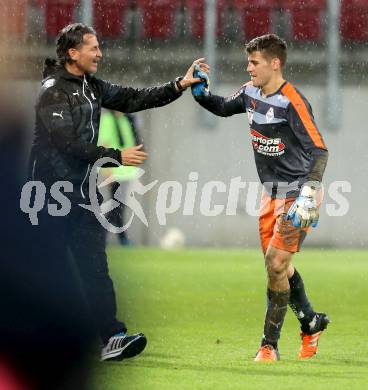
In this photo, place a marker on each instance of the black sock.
(299, 301)
(276, 310)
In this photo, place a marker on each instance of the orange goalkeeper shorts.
(274, 229)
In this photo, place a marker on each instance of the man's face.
(87, 55)
(260, 68)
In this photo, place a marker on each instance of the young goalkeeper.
(290, 157)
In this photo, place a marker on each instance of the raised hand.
(189, 78)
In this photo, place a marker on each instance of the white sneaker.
(121, 346)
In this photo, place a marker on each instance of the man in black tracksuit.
(65, 148)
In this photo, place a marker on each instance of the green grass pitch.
(203, 311)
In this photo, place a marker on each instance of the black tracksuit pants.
(84, 239)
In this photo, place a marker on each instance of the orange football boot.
(267, 353)
(309, 345)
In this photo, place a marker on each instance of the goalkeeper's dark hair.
(270, 45)
(70, 37)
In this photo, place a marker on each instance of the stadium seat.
(196, 11)
(58, 14)
(306, 18)
(13, 18)
(109, 16)
(158, 17)
(354, 20)
(256, 16)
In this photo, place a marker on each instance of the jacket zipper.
(90, 103)
(34, 168)
(81, 187)
(93, 135)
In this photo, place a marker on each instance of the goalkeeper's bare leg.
(277, 262)
(285, 285)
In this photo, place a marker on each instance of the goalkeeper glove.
(201, 88)
(304, 212)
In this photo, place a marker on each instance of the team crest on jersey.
(270, 115)
(250, 113)
(267, 146)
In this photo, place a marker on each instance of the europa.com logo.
(172, 197)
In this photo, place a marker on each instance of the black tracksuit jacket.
(67, 123)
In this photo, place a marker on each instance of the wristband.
(178, 85)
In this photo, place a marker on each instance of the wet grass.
(203, 310)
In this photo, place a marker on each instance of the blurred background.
(147, 42)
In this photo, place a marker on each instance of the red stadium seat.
(158, 17)
(196, 12)
(58, 14)
(354, 20)
(12, 18)
(108, 17)
(256, 16)
(306, 18)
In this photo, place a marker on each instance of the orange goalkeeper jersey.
(288, 147)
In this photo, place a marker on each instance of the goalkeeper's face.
(260, 68)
